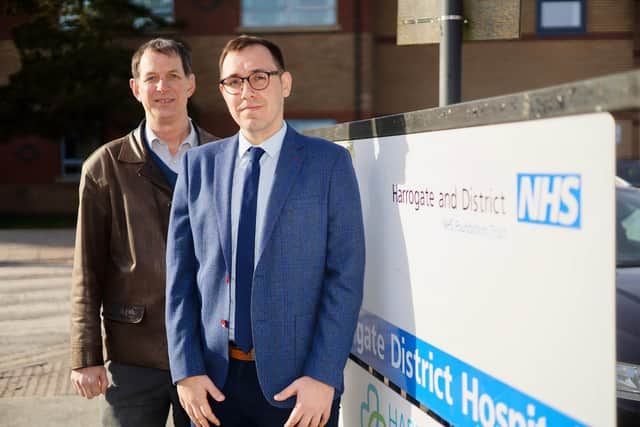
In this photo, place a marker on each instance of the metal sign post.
(443, 21)
(451, 22)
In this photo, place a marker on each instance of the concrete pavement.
(32, 246)
(35, 271)
(35, 267)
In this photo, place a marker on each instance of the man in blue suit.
(265, 260)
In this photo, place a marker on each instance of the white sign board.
(489, 285)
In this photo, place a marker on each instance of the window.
(627, 225)
(288, 13)
(160, 8)
(561, 17)
(72, 154)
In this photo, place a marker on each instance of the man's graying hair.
(166, 47)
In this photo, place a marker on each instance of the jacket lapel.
(132, 151)
(222, 181)
(136, 152)
(289, 165)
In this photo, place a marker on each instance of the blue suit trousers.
(245, 404)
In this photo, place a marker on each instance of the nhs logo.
(550, 199)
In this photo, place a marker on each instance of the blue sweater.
(169, 174)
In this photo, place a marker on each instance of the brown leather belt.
(238, 354)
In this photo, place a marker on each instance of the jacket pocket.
(126, 313)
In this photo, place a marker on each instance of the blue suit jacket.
(307, 287)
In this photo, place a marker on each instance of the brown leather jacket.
(119, 259)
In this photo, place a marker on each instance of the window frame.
(68, 162)
(561, 31)
(289, 25)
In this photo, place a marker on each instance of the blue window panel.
(290, 13)
(263, 5)
(561, 17)
(313, 17)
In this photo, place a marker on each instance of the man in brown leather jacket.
(118, 282)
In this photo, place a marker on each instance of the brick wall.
(602, 16)
(30, 159)
(39, 199)
(494, 68)
(322, 65)
(610, 16)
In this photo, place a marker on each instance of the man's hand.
(193, 398)
(313, 402)
(90, 381)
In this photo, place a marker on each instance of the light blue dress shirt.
(162, 149)
(268, 163)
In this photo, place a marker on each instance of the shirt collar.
(191, 140)
(271, 145)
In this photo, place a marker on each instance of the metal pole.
(357, 53)
(451, 52)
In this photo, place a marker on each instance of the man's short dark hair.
(244, 41)
(166, 47)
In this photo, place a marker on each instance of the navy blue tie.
(245, 250)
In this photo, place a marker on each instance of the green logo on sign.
(370, 410)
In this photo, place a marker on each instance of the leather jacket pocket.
(126, 313)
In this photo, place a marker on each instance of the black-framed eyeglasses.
(258, 80)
